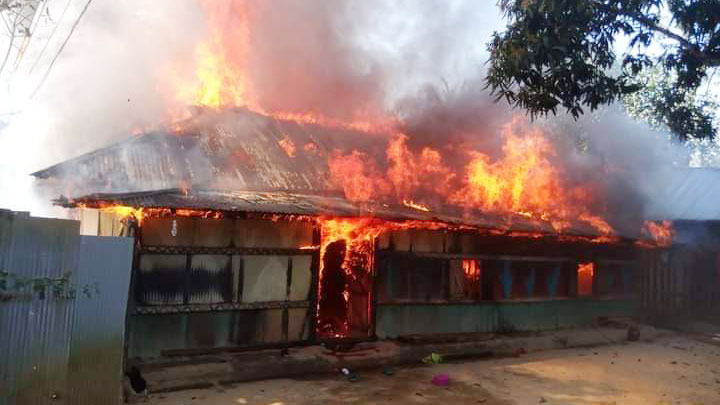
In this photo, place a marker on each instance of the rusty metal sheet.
(241, 150)
(235, 149)
(317, 205)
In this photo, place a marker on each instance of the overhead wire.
(37, 16)
(52, 34)
(62, 47)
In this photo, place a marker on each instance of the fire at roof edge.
(284, 203)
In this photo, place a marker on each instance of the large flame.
(661, 233)
(585, 277)
(523, 181)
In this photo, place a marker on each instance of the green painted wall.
(395, 320)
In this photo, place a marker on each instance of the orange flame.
(221, 75)
(141, 213)
(414, 205)
(471, 268)
(287, 146)
(585, 276)
(523, 180)
(125, 212)
(662, 232)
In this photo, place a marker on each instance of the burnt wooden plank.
(219, 307)
(228, 250)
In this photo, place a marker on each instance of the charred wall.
(464, 282)
(202, 284)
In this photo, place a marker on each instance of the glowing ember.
(585, 277)
(287, 146)
(414, 205)
(471, 268)
(661, 232)
(125, 212)
(139, 214)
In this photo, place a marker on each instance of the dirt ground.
(673, 370)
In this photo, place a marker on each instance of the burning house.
(257, 232)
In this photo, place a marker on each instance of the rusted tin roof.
(241, 150)
(233, 149)
(317, 205)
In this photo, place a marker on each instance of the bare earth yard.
(671, 370)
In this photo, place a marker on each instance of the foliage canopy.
(562, 54)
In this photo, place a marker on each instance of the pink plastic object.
(441, 380)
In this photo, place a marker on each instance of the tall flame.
(662, 232)
(585, 277)
(523, 180)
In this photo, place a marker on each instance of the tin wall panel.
(272, 234)
(35, 329)
(428, 241)
(212, 232)
(96, 350)
(265, 278)
(301, 278)
(298, 324)
(210, 279)
(149, 334)
(166, 231)
(161, 279)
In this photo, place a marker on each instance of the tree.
(561, 53)
(664, 105)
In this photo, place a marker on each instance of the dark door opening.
(344, 302)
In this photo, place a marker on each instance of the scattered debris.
(441, 380)
(433, 358)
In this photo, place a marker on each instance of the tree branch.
(10, 45)
(693, 48)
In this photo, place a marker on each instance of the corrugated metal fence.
(680, 283)
(62, 312)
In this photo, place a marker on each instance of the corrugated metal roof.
(316, 205)
(689, 194)
(241, 150)
(231, 149)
